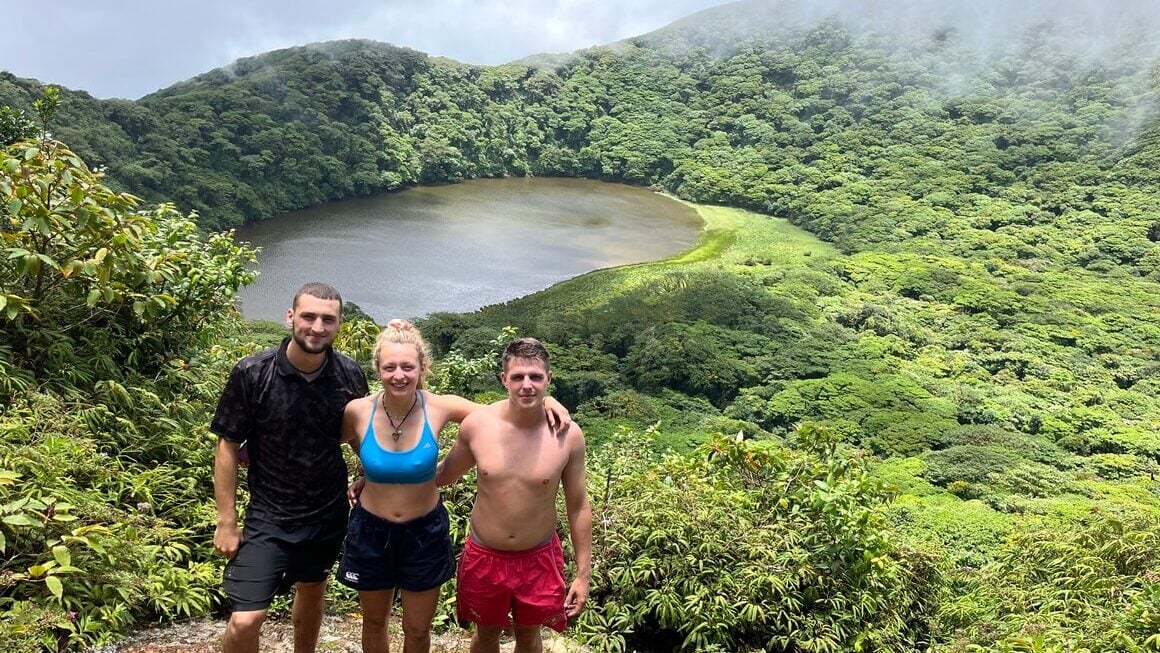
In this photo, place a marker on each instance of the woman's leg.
(376, 609)
(418, 612)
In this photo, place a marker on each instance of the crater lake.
(462, 246)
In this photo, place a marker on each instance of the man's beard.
(306, 346)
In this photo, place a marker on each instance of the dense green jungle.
(904, 395)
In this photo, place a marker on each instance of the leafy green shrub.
(95, 286)
(969, 532)
(1030, 479)
(745, 546)
(1035, 448)
(623, 404)
(1062, 587)
(899, 433)
(697, 359)
(104, 464)
(88, 535)
(1117, 465)
(970, 463)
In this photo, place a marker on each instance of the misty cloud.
(133, 47)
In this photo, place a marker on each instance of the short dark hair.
(526, 348)
(319, 290)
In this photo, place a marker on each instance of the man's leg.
(309, 604)
(242, 632)
(486, 639)
(528, 640)
(250, 582)
(376, 610)
(539, 598)
(418, 612)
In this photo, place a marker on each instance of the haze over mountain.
(956, 51)
(128, 48)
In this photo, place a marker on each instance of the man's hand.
(577, 597)
(226, 539)
(355, 489)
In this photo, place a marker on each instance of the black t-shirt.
(293, 429)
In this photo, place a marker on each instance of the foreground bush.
(1090, 587)
(744, 546)
(93, 288)
(107, 374)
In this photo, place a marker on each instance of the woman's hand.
(558, 417)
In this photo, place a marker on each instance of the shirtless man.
(512, 569)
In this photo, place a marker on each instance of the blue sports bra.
(414, 466)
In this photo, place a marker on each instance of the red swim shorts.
(527, 585)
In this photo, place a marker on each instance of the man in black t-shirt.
(285, 404)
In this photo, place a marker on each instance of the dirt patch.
(339, 635)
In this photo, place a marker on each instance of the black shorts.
(273, 557)
(381, 554)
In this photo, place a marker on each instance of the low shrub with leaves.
(1089, 587)
(108, 370)
(95, 539)
(745, 546)
(92, 286)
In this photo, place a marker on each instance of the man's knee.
(247, 623)
(310, 591)
(528, 640)
(309, 604)
(527, 634)
(488, 634)
(378, 619)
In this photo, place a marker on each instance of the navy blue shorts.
(273, 557)
(381, 554)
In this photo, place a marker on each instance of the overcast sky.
(128, 48)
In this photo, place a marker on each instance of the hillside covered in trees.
(932, 242)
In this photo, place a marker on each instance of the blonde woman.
(398, 536)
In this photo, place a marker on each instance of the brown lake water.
(463, 246)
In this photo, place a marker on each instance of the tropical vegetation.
(902, 396)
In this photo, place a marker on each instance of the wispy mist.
(132, 47)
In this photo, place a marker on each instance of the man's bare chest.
(538, 463)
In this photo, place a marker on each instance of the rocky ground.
(339, 635)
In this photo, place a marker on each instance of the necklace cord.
(397, 429)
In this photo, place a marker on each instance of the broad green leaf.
(68, 570)
(20, 520)
(55, 586)
(62, 555)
